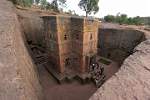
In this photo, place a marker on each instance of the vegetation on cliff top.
(89, 6)
(124, 19)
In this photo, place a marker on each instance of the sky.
(130, 7)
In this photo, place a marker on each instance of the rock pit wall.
(19, 79)
(117, 44)
(32, 25)
(132, 81)
(18, 75)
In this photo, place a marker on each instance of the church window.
(65, 37)
(91, 37)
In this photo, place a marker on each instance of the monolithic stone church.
(71, 42)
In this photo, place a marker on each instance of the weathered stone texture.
(65, 33)
(132, 82)
(18, 77)
(117, 44)
(32, 25)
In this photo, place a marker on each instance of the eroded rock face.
(32, 25)
(18, 75)
(132, 82)
(117, 44)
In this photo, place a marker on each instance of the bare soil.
(70, 91)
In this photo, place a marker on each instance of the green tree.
(37, 1)
(130, 21)
(48, 6)
(118, 19)
(43, 4)
(89, 6)
(148, 22)
(55, 4)
(109, 18)
(61, 2)
(137, 20)
(24, 3)
(121, 19)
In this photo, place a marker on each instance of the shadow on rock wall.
(117, 44)
(32, 26)
(18, 74)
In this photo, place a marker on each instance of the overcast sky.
(130, 7)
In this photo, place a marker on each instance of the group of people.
(97, 73)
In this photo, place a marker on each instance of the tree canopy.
(123, 19)
(23, 2)
(37, 1)
(109, 18)
(55, 4)
(89, 6)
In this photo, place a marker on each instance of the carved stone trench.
(114, 44)
(18, 73)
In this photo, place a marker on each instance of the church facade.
(70, 42)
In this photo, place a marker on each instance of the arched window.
(77, 36)
(50, 36)
(65, 37)
(67, 62)
(91, 37)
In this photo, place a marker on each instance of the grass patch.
(104, 61)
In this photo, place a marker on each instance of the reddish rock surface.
(19, 80)
(18, 77)
(132, 81)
